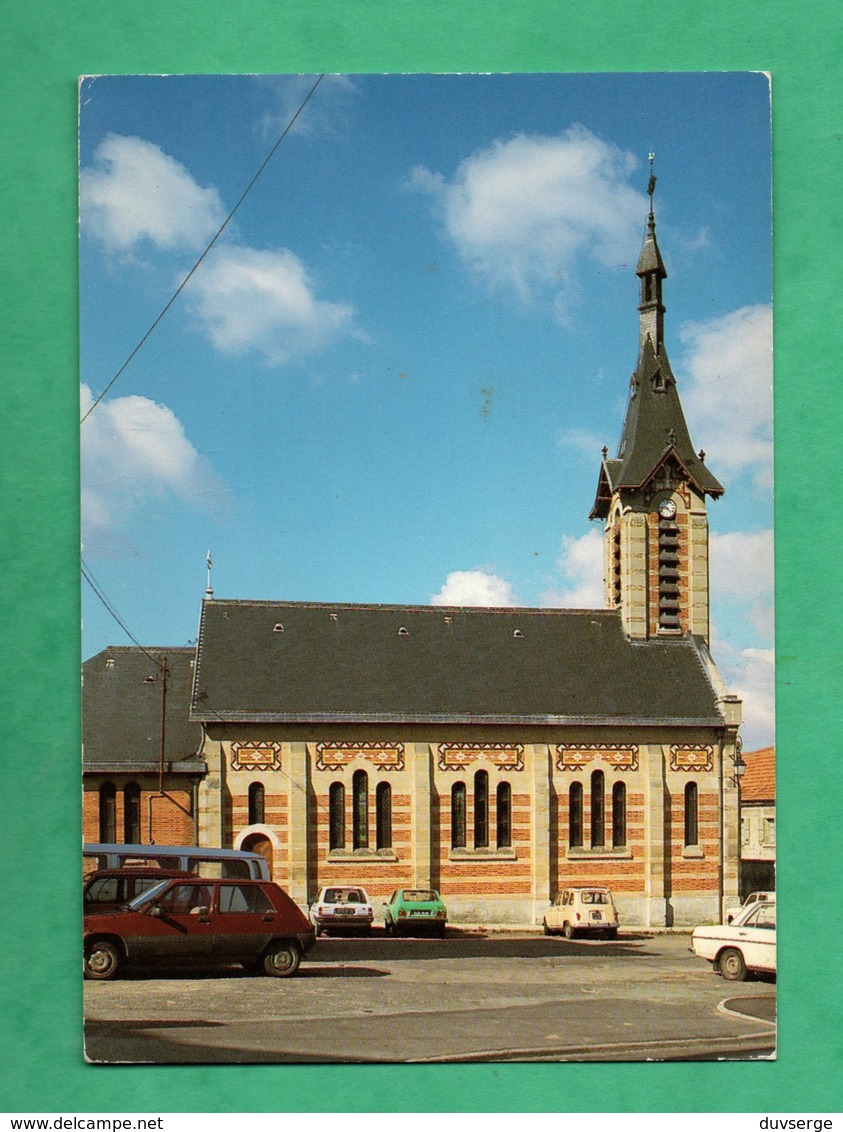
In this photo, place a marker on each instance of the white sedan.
(747, 944)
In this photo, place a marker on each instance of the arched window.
(575, 815)
(458, 815)
(691, 814)
(108, 813)
(256, 804)
(598, 811)
(619, 815)
(336, 816)
(481, 810)
(383, 815)
(360, 816)
(131, 813)
(503, 825)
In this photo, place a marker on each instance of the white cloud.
(288, 92)
(729, 399)
(523, 212)
(263, 300)
(475, 588)
(755, 682)
(742, 575)
(751, 674)
(581, 567)
(134, 450)
(135, 191)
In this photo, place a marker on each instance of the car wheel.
(567, 930)
(441, 931)
(545, 929)
(102, 959)
(612, 933)
(282, 960)
(317, 930)
(732, 966)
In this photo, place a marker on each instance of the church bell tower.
(652, 495)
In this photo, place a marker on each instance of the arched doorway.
(258, 843)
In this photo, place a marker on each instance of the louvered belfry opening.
(616, 564)
(668, 574)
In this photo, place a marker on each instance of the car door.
(757, 937)
(244, 921)
(176, 925)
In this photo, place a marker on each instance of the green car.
(411, 911)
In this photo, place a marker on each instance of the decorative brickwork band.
(616, 756)
(505, 756)
(335, 756)
(691, 758)
(256, 756)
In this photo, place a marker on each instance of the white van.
(182, 858)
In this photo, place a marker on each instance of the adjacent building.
(758, 822)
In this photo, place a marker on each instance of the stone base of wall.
(489, 910)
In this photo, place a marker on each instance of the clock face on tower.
(667, 508)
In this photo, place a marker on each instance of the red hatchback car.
(200, 922)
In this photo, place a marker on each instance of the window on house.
(575, 815)
(745, 831)
(770, 831)
(598, 811)
(360, 792)
(131, 813)
(481, 810)
(108, 813)
(458, 815)
(691, 814)
(503, 824)
(256, 804)
(336, 816)
(383, 815)
(619, 815)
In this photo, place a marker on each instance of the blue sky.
(391, 378)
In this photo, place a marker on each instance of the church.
(497, 755)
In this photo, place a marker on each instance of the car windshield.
(595, 897)
(344, 896)
(419, 896)
(148, 896)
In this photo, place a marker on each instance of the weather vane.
(651, 187)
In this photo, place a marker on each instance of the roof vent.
(278, 627)
(403, 632)
(109, 662)
(518, 633)
(448, 620)
(333, 616)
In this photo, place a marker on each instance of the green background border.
(46, 46)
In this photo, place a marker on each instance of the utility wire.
(89, 578)
(217, 235)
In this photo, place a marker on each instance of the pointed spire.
(654, 427)
(651, 271)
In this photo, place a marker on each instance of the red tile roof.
(759, 782)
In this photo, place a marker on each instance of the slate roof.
(759, 781)
(276, 661)
(121, 712)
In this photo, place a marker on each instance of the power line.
(216, 236)
(89, 578)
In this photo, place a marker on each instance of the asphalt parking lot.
(475, 996)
